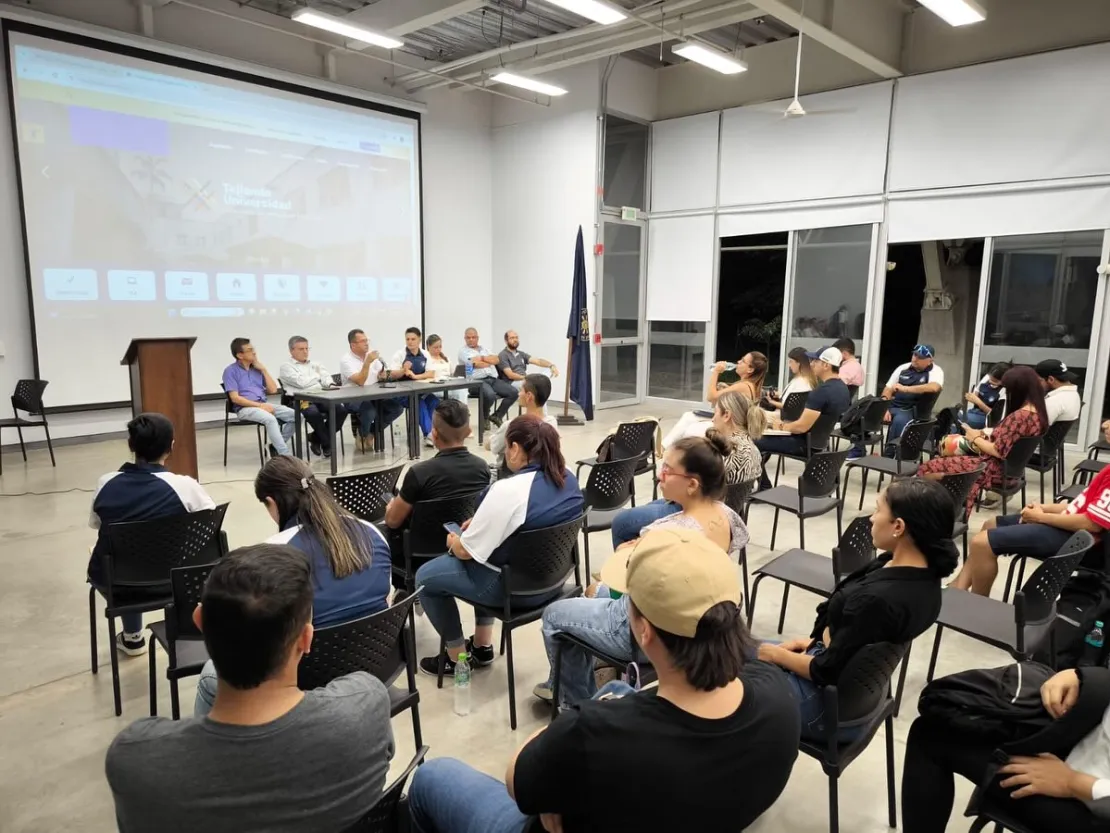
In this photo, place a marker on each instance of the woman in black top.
(895, 598)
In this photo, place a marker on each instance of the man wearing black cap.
(908, 387)
(1061, 398)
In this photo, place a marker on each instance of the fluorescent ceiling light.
(955, 12)
(596, 10)
(527, 83)
(709, 57)
(339, 26)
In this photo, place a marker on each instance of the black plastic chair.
(138, 562)
(998, 412)
(231, 420)
(816, 494)
(390, 813)
(1082, 475)
(539, 563)
(647, 672)
(907, 457)
(1020, 628)
(1013, 470)
(1050, 456)
(425, 538)
(366, 495)
(738, 497)
(633, 440)
(861, 698)
(871, 427)
(817, 439)
(793, 405)
(959, 487)
(607, 491)
(28, 398)
(380, 644)
(987, 812)
(178, 636)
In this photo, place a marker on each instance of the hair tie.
(305, 481)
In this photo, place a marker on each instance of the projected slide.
(161, 201)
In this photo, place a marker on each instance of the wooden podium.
(162, 381)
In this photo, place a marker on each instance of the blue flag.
(578, 332)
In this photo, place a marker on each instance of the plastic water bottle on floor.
(462, 685)
(1092, 646)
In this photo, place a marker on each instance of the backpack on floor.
(1084, 600)
(851, 421)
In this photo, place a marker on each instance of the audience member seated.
(362, 367)
(710, 749)
(693, 480)
(751, 370)
(961, 454)
(735, 417)
(981, 401)
(247, 383)
(830, 397)
(268, 756)
(301, 376)
(441, 365)
(1043, 794)
(453, 472)
(908, 384)
(1038, 531)
(412, 363)
(513, 362)
(349, 558)
(486, 381)
(534, 392)
(851, 371)
(802, 379)
(893, 599)
(1061, 401)
(541, 493)
(141, 491)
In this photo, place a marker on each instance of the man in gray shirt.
(268, 756)
(512, 362)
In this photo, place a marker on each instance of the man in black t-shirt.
(829, 397)
(710, 749)
(453, 472)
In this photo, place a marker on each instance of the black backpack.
(1084, 600)
(851, 421)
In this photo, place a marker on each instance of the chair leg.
(49, 444)
(1010, 577)
(95, 663)
(933, 658)
(778, 469)
(632, 490)
(802, 532)
(556, 672)
(225, 442)
(782, 608)
(891, 802)
(751, 604)
(442, 657)
(503, 633)
(744, 574)
(175, 700)
(507, 636)
(114, 654)
(862, 488)
(902, 680)
(22, 447)
(834, 809)
(418, 736)
(586, 555)
(654, 485)
(1042, 485)
(152, 669)
(965, 542)
(775, 529)
(978, 825)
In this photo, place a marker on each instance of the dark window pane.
(626, 156)
(677, 362)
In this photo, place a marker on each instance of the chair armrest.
(832, 720)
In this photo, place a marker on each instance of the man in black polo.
(453, 472)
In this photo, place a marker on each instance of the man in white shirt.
(490, 386)
(909, 386)
(299, 375)
(534, 392)
(1061, 400)
(362, 367)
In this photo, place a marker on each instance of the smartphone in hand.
(453, 527)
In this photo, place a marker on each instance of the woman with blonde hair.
(802, 378)
(752, 370)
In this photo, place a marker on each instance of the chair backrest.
(864, 683)
(874, 414)
(426, 533)
(1053, 439)
(459, 371)
(383, 816)
(28, 396)
(1021, 452)
(142, 553)
(609, 485)
(853, 391)
(822, 473)
(366, 495)
(959, 485)
(187, 586)
(540, 560)
(374, 644)
(998, 411)
(1036, 601)
(923, 409)
(855, 548)
(821, 430)
(909, 446)
(336, 379)
(793, 405)
(229, 406)
(634, 439)
(737, 495)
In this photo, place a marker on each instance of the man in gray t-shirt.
(268, 757)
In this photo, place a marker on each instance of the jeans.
(428, 405)
(794, 444)
(279, 425)
(206, 691)
(973, 417)
(601, 623)
(132, 622)
(899, 419)
(446, 579)
(811, 704)
(488, 393)
(628, 522)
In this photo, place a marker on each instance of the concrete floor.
(56, 719)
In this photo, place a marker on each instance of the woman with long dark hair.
(1026, 417)
(541, 493)
(802, 379)
(893, 599)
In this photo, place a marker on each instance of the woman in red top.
(1026, 418)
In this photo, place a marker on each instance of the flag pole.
(566, 418)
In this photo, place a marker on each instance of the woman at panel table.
(441, 365)
(752, 370)
(802, 379)
(349, 557)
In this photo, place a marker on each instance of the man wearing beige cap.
(663, 759)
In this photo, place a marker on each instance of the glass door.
(622, 314)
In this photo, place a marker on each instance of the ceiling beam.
(822, 34)
(399, 17)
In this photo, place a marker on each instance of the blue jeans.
(601, 623)
(279, 425)
(795, 444)
(973, 417)
(446, 579)
(206, 691)
(428, 405)
(899, 419)
(811, 704)
(628, 522)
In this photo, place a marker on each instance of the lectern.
(162, 381)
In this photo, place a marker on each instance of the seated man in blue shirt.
(247, 382)
(412, 363)
(141, 491)
(911, 386)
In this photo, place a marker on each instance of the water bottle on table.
(469, 369)
(462, 685)
(1092, 646)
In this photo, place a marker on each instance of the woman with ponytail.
(893, 599)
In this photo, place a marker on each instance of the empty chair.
(817, 439)
(816, 493)
(231, 419)
(1082, 474)
(633, 440)
(366, 495)
(178, 635)
(28, 398)
(608, 489)
(907, 456)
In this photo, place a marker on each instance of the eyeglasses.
(666, 471)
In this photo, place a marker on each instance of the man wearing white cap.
(830, 397)
(663, 759)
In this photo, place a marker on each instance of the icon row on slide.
(126, 285)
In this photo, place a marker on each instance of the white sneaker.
(133, 645)
(428, 442)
